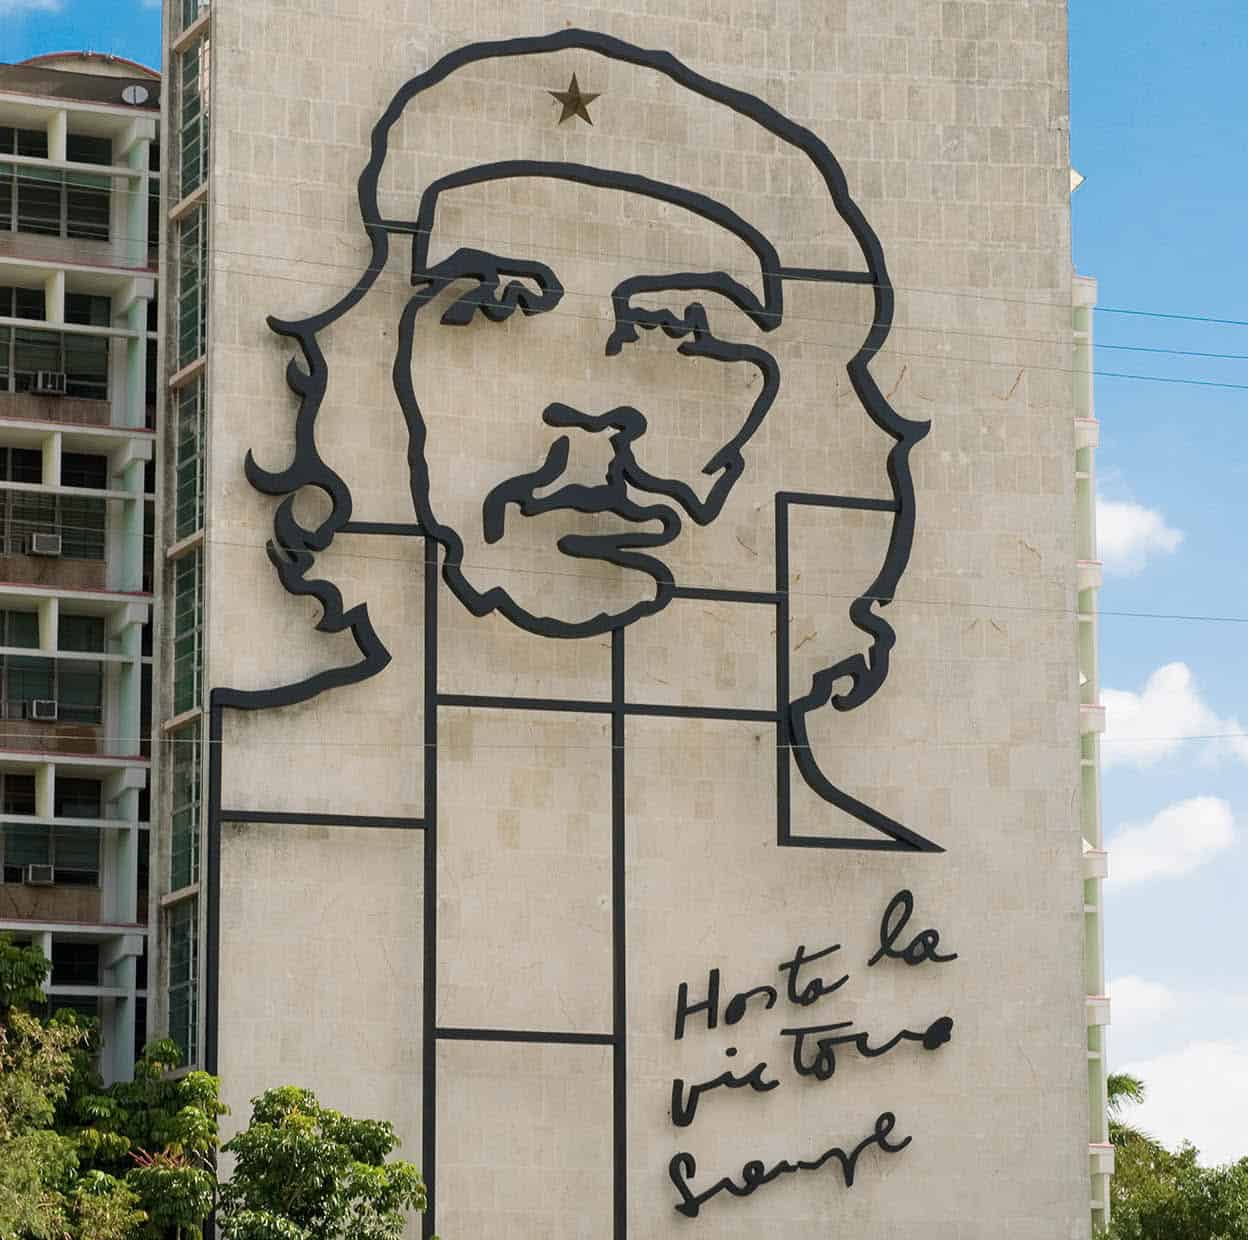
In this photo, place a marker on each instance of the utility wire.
(336, 552)
(962, 295)
(888, 349)
(896, 599)
(170, 737)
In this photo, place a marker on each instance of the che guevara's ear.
(292, 549)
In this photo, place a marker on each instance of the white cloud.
(1142, 728)
(1198, 1094)
(16, 8)
(1136, 1003)
(1180, 839)
(1128, 534)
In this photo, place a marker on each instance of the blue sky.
(1159, 96)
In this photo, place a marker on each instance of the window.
(184, 836)
(188, 619)
(191, 9)
(19, 628)
(193, 117)
(21, 464)
(37, 200)
(54, 203)
(75, 964)
(189, 498)
(17, 793)
(26, 679)
(154, 211)
(88, 309)
(81, 524)
(29, 142)
(88, 206)
(192, 287)
(140, 1021)
(83, 149)
(151, 384)
(22, 303)
(81, 521)
(72, 852)
(77, 687)
(80, 633)
(84, 469)
(183, 960)
(86, 1006)
(83, 360)
(79, 691)
(24, 846)
(78, 798)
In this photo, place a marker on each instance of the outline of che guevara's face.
(635, 508)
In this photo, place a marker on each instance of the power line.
(157, 737)
(335, 550)
(887, 349)
(909, 288)
(955, 293)
(899, 599)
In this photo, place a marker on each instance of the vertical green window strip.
(189, 498)
(184, 977)
(188, 625)
(193, 117)
(192, 287)
(184, 835)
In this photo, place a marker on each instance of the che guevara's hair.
(294, 546)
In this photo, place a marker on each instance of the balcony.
(66, 410)
(59, 851)
(51, 903)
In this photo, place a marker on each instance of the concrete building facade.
(79, 232)
(630, 712)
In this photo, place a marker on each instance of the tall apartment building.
(79, 227)
(449, 832)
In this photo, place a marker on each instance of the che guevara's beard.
(608, 497)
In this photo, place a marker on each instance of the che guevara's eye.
(497, 306)
(500, 286)
(629, 318)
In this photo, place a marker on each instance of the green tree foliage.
(136, 1160)
(304, 1172)
(157, 1133)
(1159, 1195)
(1122, 1089)
(79, 1161)
(37, 1165)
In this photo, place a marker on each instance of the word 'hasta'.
(920, 949)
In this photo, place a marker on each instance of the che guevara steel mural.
(648, 507)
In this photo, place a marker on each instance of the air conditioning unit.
(39, 876)
(45, 544)
(43, 709)
(49, 383)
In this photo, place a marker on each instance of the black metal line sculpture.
(500, 288)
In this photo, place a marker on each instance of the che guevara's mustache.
(610, 496)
